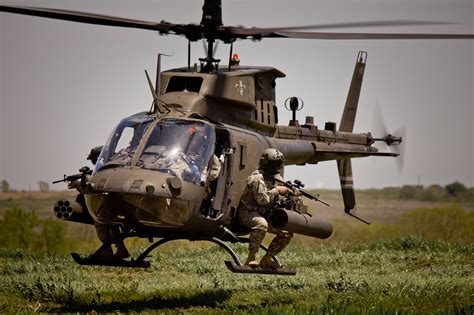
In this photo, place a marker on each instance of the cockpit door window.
(123, 143)
(179, 147)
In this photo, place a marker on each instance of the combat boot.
(267, 262)
(251, 261)
(121, 252)
(105, 254)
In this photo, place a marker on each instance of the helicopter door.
(224, 152)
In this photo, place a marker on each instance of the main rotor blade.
(259, 33)
(350, 36)
(89, 18)
(225, 33)
(357, 24)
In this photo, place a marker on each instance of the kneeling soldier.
(260, 196)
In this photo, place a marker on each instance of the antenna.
(230, 54)
(158, 72)
(296, 104)
(189, 55)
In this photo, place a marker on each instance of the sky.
(64, 85)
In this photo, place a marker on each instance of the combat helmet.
(272, 161)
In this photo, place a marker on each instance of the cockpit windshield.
(123, 142)
(179, 147)
(182, 148)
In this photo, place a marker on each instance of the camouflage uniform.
(257, 201)
(177, 163)
(213, 169)
(180, 163)
(107, 233)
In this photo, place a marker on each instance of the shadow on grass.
(207, 298)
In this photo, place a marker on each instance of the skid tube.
(140, 262)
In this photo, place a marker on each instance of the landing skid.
(235, 266)
(266, 271)
(88, 261)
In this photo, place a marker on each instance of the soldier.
(110, 233)
(196, 150)
(258, 199)
(106, 234)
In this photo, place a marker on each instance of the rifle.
(298, 185)
(84, 171)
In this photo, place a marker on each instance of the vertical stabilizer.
(347, 185)
(347, 124)
(350, 110)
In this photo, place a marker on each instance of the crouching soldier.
(260, 196)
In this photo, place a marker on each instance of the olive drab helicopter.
(152, 177)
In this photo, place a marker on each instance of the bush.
(445, 224)
(18, 229)
(5, 186)
(453, 192)
(409, 192)
(434, 193)
(454, 188)
(24, 230)
(52, 235)
(466, 196)
(450, 223)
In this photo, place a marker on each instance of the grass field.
(416, 257)
(403, 275)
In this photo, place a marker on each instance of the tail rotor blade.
(378, 123)
(400, 149)
(383, 135)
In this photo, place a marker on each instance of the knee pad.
(260, 224)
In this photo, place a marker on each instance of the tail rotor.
(388, 139)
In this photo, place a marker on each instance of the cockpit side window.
(123, 143)
(184, 84)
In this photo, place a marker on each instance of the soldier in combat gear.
(259, 198)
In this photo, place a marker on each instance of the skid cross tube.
(140, 261)
(212, 239)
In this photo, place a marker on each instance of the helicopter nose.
(145, 182)
(140, 209)
(174, 184)
(136, 182)
(137, 196)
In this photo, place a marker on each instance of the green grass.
(406, 274)
(416, 257)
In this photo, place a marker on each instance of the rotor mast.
(211, 20)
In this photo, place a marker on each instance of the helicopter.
(235, 107)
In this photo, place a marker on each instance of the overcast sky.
(64, 85)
